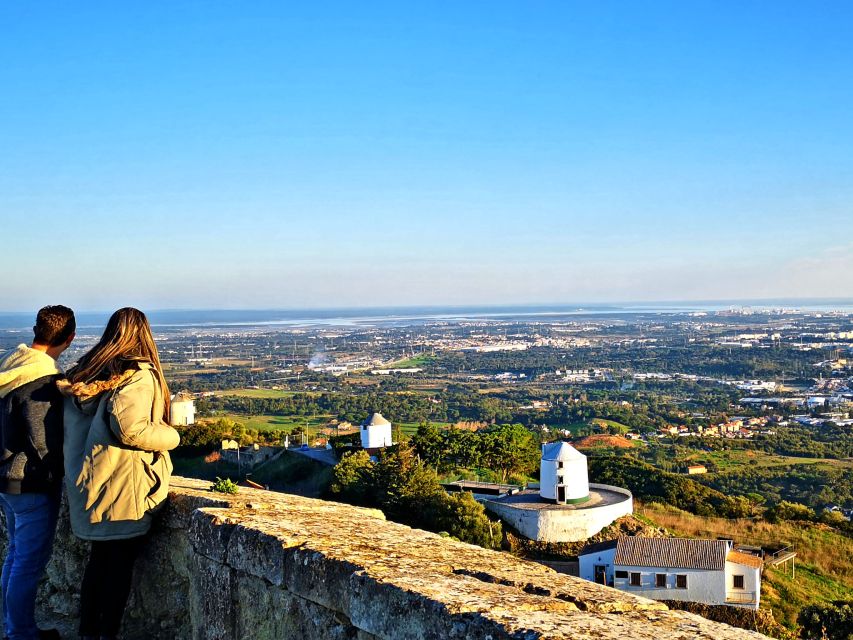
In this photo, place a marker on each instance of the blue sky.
(260, 154)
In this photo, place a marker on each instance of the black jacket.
(31, 438)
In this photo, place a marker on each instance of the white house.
(376, 432)
(707, 571)
(563, 474)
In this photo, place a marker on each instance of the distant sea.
(178, 319)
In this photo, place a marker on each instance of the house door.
(600, 572)
(561, 493)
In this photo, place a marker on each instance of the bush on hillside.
(653, 485)
(789, 511)
(408, 491)
(829, 621)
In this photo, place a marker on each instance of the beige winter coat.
(117, 466)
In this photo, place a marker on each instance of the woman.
(117, 467)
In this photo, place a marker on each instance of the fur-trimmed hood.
(83, 391)
(24, 365)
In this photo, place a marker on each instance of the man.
(31, 465)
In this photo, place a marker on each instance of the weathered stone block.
(211, 600)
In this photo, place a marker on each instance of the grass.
(314, 424)
(601, 422)
(824, 563)
(732, 459)
(415, 362)
(411, 428)
(262, 393)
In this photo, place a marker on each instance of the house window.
(660, 580)
(635, 579)
(681, 581)
(559, 464)
(738, 582)
(622, 574)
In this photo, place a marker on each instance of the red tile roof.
(748, 559)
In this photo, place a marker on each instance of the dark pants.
(106, 585)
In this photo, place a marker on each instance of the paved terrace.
(267, 565)
(530, 499)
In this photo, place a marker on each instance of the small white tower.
(563, 474)
(182, 412)
(376, 432)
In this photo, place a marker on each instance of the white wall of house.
(702, 585)
(750, 595)
(589, 561)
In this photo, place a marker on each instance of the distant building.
(565, 507)
(376, 433)
(707, 571)
(695, 469)
(182, 411)
(248, 456)
(563, 474)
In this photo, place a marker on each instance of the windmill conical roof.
(375, 420)
(560, 451)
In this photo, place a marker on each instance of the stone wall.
(269, 565)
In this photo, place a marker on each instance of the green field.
(313, 425)
(262, 393)
(416, 362)
(410, 428)
(732, 459)
(601, 422)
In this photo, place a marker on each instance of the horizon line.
(846, 300)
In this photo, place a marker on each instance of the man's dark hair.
(54, 325)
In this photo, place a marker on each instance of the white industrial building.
(707, 571)
(376, 432)
(182, 410)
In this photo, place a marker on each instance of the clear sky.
(262, 154)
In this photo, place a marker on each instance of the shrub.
(829, 621)
(224, 486)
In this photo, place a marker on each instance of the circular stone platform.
(544, 521)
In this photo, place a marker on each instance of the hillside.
(824, 566)
(650, 484)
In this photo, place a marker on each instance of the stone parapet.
(266, 565)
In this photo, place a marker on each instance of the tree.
(408, 491)
(465, 519)
(789, 511)
(510, 449)
(352, 479)
(828, 621)
(429, 444)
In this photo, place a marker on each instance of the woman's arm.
(130, 416)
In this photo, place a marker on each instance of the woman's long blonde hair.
(127, 340)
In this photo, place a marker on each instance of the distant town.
(611, 446)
